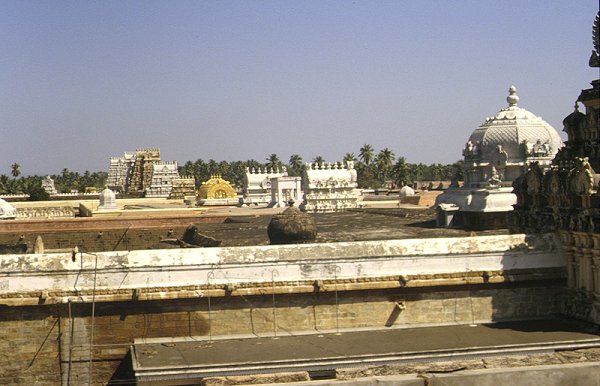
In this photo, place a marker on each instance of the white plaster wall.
(180, 267)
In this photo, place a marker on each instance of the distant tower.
(142, 170)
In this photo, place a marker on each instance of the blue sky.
(82, 81)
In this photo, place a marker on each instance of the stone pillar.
(595, 239)
(568, 248)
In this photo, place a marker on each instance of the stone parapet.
(193, 273)
(279, 288)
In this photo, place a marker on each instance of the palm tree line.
(65, 182)
(374, 170)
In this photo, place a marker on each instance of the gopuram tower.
(566, 199)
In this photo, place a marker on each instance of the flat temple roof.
(195, 359)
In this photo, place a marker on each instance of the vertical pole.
(209, 276)
(274, 313)
(93, 318)
(70, 345)
(336, 268)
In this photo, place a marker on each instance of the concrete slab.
(578, 374)
(303, 352)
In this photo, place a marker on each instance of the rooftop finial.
(595, 58)
(512, 98)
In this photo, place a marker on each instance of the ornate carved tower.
(566, 199)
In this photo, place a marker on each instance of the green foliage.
(295, 166)
(372, 172)
(366, 154)
(381, 171)
(319, 160)
(273, 162)
(349, 157)
(69, 181)
(37, 193)
(15, 170)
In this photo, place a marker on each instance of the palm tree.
(254, 164)
(237, 171)
(319, 160)
(225, 170)
(213, 167)
(418, 171)
(295, 165)
(400, 172)
(273, 162)
(366, 153)
(384, 161)
(295, 161)
(386, 158)
(457, 171)
(5, 184)
(15, 170)
(349, 157)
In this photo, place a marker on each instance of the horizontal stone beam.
(233, 271)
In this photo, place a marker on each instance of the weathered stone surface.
(329, 187)
(193, 238)
(256, 379)
(292, 227)
(17, 248)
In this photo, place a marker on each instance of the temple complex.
(329, 187)
(48, 185)
(142, 172)
(257, 185)
(142, 169)
(217, 191)
(285, 190)
(566, 199)
(379, 296)
(496, 154)
(183, 187)
(119, 171)
(163, 174)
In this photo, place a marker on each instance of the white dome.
(407, 191)
(510, 128)
(7, 211)
(107, 200)
(514, 136)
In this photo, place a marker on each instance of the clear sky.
(81, 81)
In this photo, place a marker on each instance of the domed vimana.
(498, 152)
(508, 142)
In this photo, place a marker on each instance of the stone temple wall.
(50, 344)
(64, 317)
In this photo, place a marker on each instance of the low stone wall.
(572, 374)
(181, 273)
(66, 319)
(50, 344)
(426, 198)
(92, 235)
(49, 212)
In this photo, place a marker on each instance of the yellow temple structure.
(216, 188)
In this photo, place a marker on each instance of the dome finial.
(512, 98)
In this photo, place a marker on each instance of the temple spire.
(512, 97)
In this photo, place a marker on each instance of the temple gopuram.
(566, 199)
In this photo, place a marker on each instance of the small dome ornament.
(512, 98)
